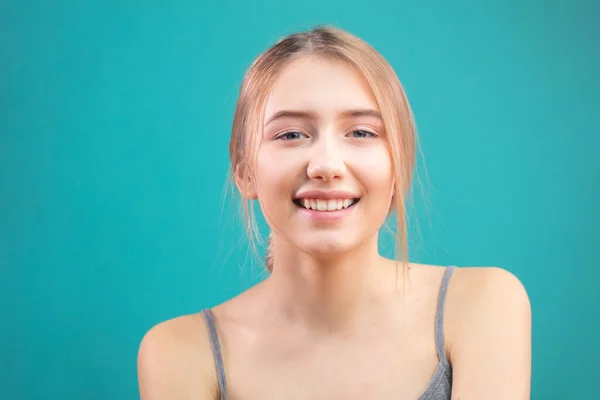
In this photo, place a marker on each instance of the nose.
(326, 162)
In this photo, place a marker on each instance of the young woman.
(323, 138)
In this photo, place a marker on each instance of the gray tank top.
(439, 387)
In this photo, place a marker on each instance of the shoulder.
(175, 361)
(483, 297)
(489, 332)
(476, 294)
(485, 293)
(488, 283)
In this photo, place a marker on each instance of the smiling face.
(323, 173)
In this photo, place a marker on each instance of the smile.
(325, 204)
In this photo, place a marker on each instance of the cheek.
(375, 169)
(274, 180)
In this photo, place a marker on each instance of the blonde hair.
(335, 44)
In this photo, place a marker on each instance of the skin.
(330, 322)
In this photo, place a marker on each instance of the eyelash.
(369, 134)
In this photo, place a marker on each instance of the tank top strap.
(439, 315)
(216, 350)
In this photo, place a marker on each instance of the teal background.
(114, 127)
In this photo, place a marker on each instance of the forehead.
(321, 85)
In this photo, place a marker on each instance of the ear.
(392, 200)
(244, 184)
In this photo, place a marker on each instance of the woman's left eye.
(361, 134)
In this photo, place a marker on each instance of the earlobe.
(250, 195)
(392, 200)
(245, 185)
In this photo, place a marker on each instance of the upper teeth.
(327, 205)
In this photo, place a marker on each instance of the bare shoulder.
(488, 331)
(479, 297)
(488, 283)
(175, 361)
(481, 293)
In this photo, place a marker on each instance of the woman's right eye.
(291, 135)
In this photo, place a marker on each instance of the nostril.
(326, 171)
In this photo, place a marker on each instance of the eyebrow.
(351, 113)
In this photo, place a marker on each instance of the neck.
(327, 293)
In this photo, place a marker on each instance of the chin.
(324, 247)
